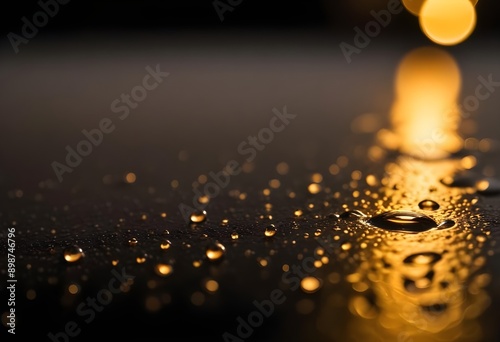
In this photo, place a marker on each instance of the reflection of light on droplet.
(165, 244)
(428, 205)
(270, 230)
(73, 254)
(198, 216)
(310, 284)
(215, 251)
(425, 116)
(447, 22)
(413, 6)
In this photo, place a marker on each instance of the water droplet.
(115, 262)
(446, 224)
(204, 199)
(317, 232)
(165, 244)
(403, 221)
(198, 216)
(163, 269)
(133, 242)
(73, 254)
(234, 236)
(215, 251)
(428, 205)
(352, 214)
(270, 230)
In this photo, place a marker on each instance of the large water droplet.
(428, 205)
(446, 224)
(352, 214)
(73, 254)
(215, 251)
(198, 216)
(403, 221)
(270, 230)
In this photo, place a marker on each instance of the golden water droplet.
(163, 215)
(428, 205)
(270, 230)
(234, 236)
(163, 269)
(198, 216)
(133, 242)
(310, 284)
(140, 259)
(317, 232)
(73, 289)
(165, 244)
(196, 263)
(215, 251)
(115, 262)
(73, 254)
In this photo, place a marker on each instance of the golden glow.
(425, 115)
(413, 6)
(447, 22)
(130, 178)
(212, 285)
(163, 269)
(310, 284)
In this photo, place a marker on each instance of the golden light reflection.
(425, 116)
(447, 22)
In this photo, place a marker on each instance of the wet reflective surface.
(341, 229)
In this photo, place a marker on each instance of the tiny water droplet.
(73, 254)
(351, 214)
(198, 216)
(165, 244)
(446, 224)
(215, 251)
(403, 221)
(133, 242)
(428, 205)
(270, 230)
(115, 262)
(234, 236)
(317, 232)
